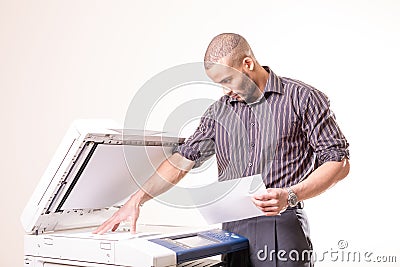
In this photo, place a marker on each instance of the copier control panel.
(202, 244)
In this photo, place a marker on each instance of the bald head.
(230, 47)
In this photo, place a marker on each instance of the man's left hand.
(271, 201)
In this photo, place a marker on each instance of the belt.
(299, 205)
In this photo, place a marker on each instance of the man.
(279, 127)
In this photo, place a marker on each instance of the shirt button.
(250, 164)
(252, 145)
(252, 124)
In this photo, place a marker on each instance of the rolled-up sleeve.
(322, 130)
(201, 145)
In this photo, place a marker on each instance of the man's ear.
(248, 63)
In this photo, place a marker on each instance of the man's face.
(236, 83)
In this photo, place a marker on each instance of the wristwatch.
(292, 198)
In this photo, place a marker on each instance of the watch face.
(292, 200)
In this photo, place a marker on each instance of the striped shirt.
(284, 136)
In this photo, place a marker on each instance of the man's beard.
(250, 90)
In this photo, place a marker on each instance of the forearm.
(324, 177)
(169, 173)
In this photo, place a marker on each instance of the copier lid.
(94, 170)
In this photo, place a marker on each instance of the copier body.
(94, 171)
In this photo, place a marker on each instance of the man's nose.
(227, 91)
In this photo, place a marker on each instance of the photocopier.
(87, 180)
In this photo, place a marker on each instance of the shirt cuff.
(332, 155)
(189, 153)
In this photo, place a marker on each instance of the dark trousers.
(274, 241)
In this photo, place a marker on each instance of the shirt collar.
(274, 85)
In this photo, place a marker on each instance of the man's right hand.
(129, 211)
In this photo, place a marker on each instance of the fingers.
(115, 227)
(269, 208)
(265, 206)
(111, 223)
(133, 226)
(265, 203)
(270, 193)
(121, 215)
(270, 201)
(106, 226)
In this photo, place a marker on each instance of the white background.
(62, 60)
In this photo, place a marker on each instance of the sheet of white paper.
(236, 204)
